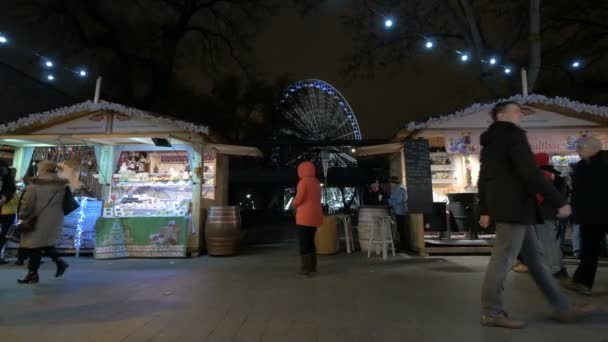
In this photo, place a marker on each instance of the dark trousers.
(591, 237)
(35, 255)
(21, 254)
(6, 221)
(403, 231)
(306, 236)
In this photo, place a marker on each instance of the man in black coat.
(589, 189)
(509, 181)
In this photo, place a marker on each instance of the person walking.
(309, 216)
(548, 231)
(508, 183)
(8, 203)
(42, 208)
(589, 189)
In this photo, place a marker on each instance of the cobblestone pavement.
(255, 297)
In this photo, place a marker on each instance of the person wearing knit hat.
(547, 231)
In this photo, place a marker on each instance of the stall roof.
(235, 150)
(576, 113)
(49, 118)
(379, 149)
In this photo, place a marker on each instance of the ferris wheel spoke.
(344, 136)
(317, 111)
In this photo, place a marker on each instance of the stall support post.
(524, 82)
(195, 244)
(402, 155)
(417, 243)
(97, 90)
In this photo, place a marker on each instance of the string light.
(45, 63)
(466, 58)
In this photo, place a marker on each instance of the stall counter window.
(148, 213)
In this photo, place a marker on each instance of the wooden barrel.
(223, 230)
(326, 238)
(366, 221)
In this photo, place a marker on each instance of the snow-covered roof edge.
(89, 106)
(575, 106)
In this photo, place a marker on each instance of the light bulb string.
(47, 64)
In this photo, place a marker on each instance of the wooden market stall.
(145, 178)
(553, 124)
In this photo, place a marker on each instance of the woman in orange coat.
(309, 216)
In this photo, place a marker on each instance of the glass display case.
(443, 169)
(151, 184)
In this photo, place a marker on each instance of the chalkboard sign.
(418, 176)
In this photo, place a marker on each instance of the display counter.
(141, 237)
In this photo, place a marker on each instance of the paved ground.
(254, 297)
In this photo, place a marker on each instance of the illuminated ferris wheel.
(317, 112)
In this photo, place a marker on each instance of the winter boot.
(306, 266)
(31, 278)
(313, 266)
(62, 266)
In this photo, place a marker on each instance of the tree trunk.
(534, 59)
(465, 15)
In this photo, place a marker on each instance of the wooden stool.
(348, 232)
(384, 225)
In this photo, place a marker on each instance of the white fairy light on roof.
(90, 106)
(563, 102)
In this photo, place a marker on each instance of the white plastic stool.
(384, 225)
(348, 232)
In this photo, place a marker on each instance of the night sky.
(314, 46)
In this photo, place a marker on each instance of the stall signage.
(123, 123)
(95, 123)
(418, 176)
(558, 142)
(141, 237)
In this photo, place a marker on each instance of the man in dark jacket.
(589, 189)
(508, 183)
